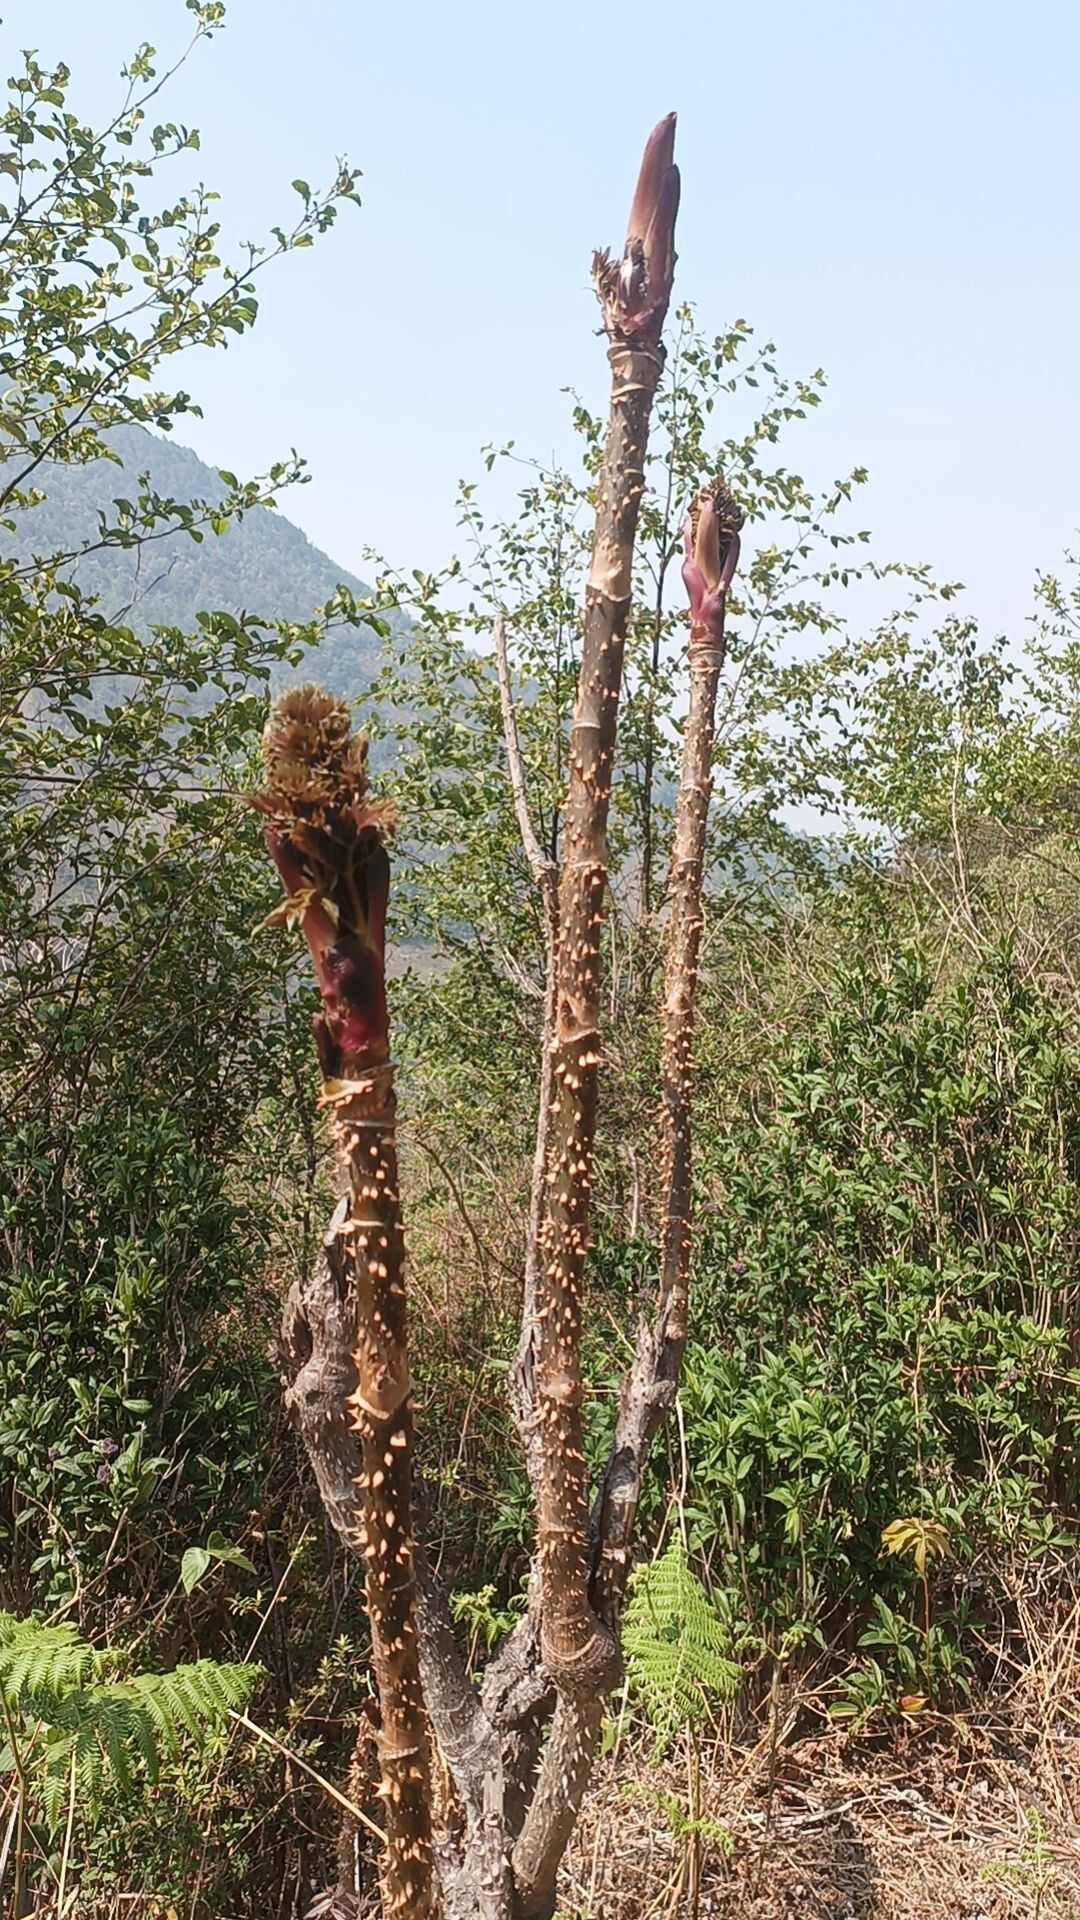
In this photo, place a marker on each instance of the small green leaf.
(223, 1549)
(193, 1566)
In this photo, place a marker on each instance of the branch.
(569, 1758)
(318, 1359)
(579, 1649)
(648, 1391)
(543, 869)
(327, 839)
(545, 873)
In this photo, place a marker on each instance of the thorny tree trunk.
(712, 555)
(579, 1649)
(343, 1332)
(649, 1389)
(648, 1394)
(326, 838)
(487, 1738)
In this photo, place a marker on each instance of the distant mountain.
(263, 565)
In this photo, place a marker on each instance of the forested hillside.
(266, 565)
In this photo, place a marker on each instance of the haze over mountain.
(263, 565)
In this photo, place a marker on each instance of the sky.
(887, 190)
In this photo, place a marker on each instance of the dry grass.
(947, 1820)
(967, 1817)
(952, 1822)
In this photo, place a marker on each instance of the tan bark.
(712, 550)
(545, 875)
(520, 1806)
(649, 1389)
(579, 1649)
(480, 1747)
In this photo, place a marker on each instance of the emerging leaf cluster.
(922, 1539)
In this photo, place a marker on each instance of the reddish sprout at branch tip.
(634, 292)
(711, 544)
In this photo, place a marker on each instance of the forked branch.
(580, 1651)
(327, 841)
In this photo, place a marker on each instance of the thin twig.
(62, 1885)
(327, 1786)
(545, 873)
(542, 867)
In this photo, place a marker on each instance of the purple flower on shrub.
(104, 1473)
(108, 1447)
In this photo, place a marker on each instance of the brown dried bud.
(325, 834)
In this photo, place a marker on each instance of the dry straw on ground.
(946, 1825)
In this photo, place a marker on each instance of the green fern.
(676, 1646)
(39, 1662)
(67, 1717)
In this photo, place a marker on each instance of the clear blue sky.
(889, 190)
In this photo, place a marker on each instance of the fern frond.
(144, 1738)
(71, 1716)
(89, 1768)
(676, 1646)
(155, 1712)
(114, 1721)
(52, 1778)
(42, 1663)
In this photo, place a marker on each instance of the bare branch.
(545, 873)
(648, 1392)
(318, 1359)
(541, 866)
(579, 1649)
(569, 1758)
(326, 836)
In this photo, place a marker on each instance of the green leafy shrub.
(886, 1289)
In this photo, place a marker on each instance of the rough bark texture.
(580, 1651)
(515, 1798)
(569, 1758)
(649, 1389)
(363, 1111)
(487, 1739)
(326, 838)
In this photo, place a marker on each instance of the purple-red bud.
(349, 965)
(711, 545)
(635, 292)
